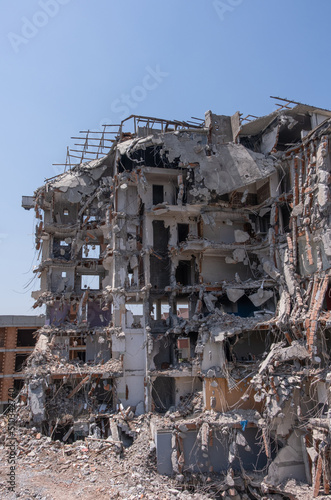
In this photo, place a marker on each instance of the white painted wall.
(213, 355)
(221, 232)
(127, 200)
(214, 269)
(134, 358)
(133, 385)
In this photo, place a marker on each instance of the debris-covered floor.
(89, 469)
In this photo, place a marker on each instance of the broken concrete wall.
(289, 462)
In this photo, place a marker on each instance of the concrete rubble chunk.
(234, 294)
(241, 236)
(260, 297)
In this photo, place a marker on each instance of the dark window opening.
(327, 300)
(285, 183)
(2, 337)
(163, 359)
(250, 346)
(61, 249)
(182, 231)
(18, 386)
(77, 355)
(160, 272)
(141, 209)
(248, 229)
(158, 195)
(245, 307)
(26, 338)
(228, 350)
(263, 193)
(160, 237)
(286, 216)
(20, 361)
(289, 135)
(235, 198)
(159, 260)
(141, 271)
(102, 424)
(263, 224)
(81, 355)
(163, 394)
(183, 273)
(61, 431)
(126, 439)
(76, 341)
(96, 315)
(224, 197)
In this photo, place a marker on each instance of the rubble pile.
(47, 469)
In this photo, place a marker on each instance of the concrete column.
(158, 311)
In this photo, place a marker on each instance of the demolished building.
(193, 259)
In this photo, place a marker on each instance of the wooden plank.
(78, 387)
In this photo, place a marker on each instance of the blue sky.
(70, 65)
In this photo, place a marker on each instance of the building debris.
(186, 275)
